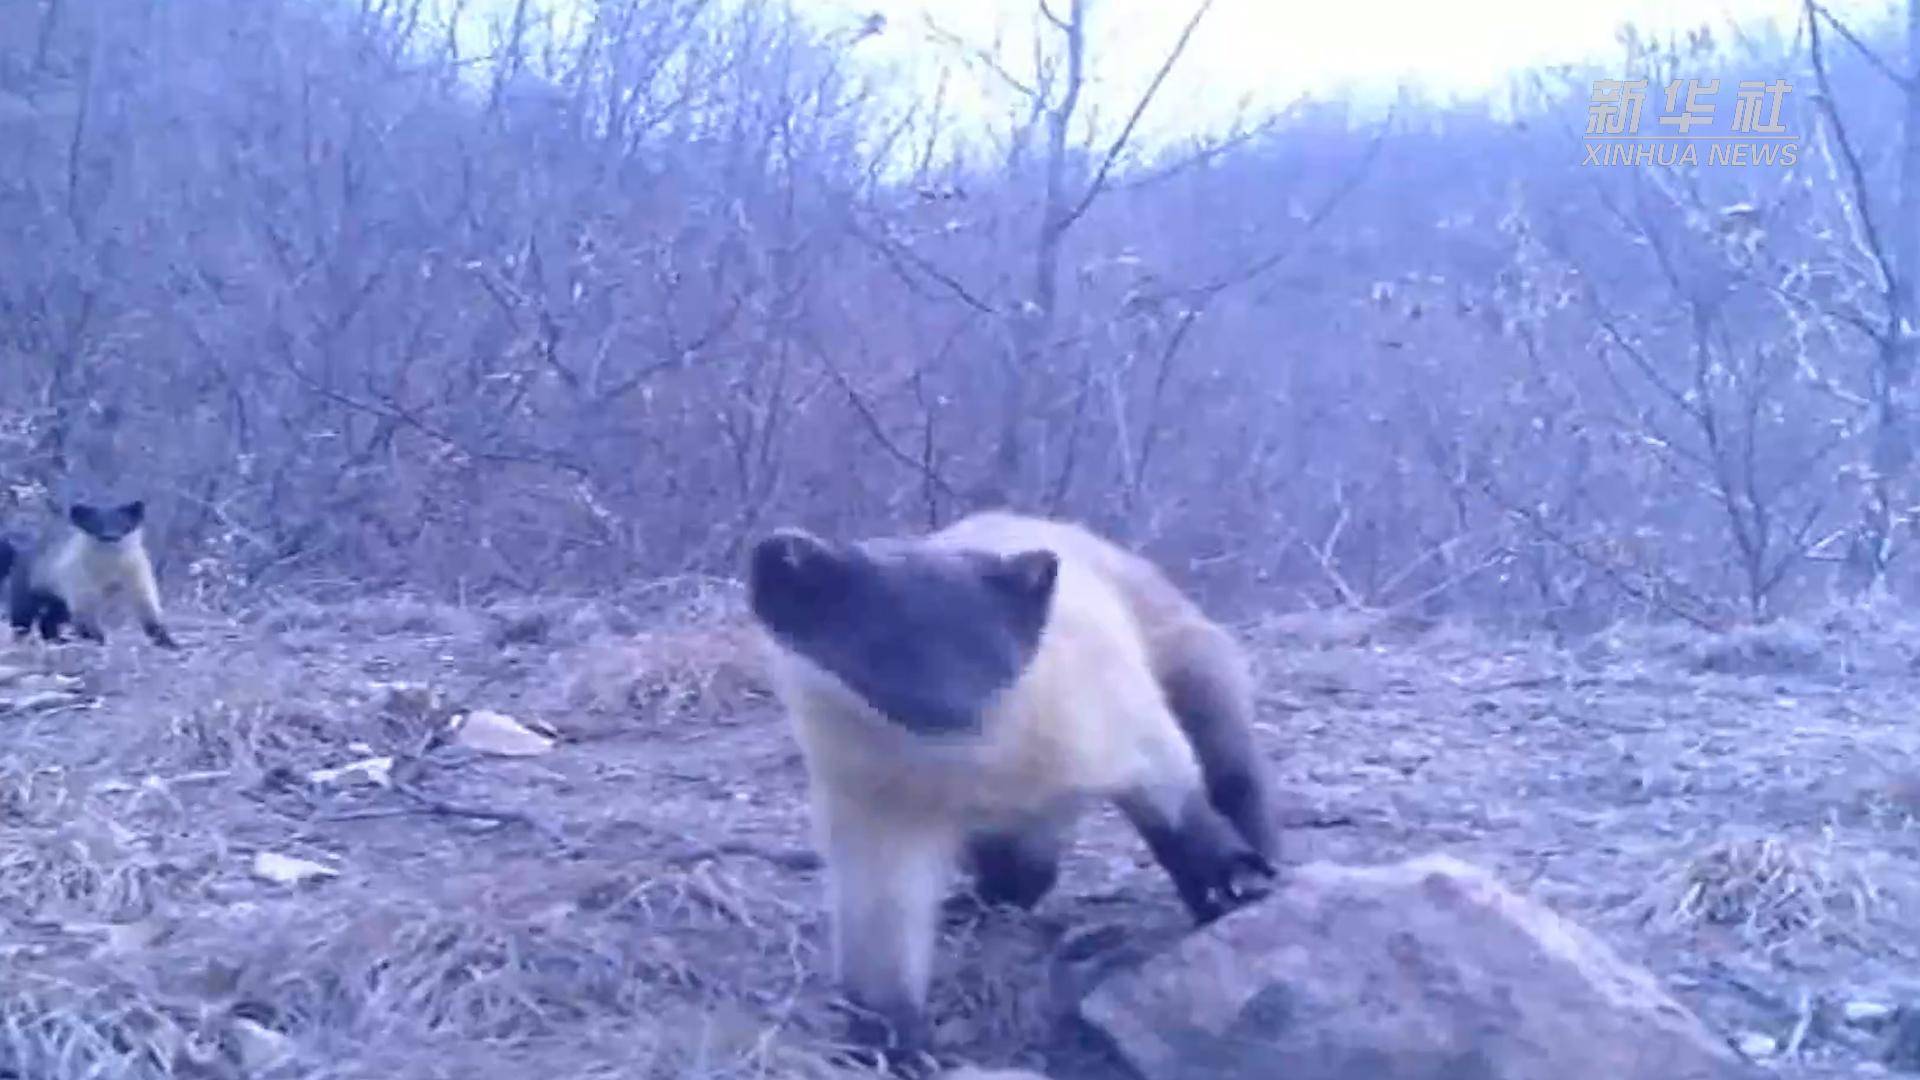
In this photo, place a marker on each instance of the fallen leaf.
(496, 733)
(37, 701)
(288, 870)
(260, 1046)
(376, 770)
(120, 937)
(134, 936)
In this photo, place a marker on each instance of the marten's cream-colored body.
(962, 696)
(101, 552)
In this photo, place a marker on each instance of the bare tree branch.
(1098, 185)
(1872, 57)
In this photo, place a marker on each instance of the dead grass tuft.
(252, 733)
(556, 622)
(1850, 639)
(997, 994)
(379, 616)
(696, 598)
(477, 962)
(1334, 628)
(663, 677)
(446, 972)
(692, 660)
(1772, 889)
(52, 1029)
(85, 868)
(1776, 648)
(67, 855)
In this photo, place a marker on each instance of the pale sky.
(1278, 50)
(1275, 51)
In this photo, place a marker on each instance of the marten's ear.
(86, 517)
(1028, 576)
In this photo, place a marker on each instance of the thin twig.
(1856, 173)
(1120, 141)
(1873, 58)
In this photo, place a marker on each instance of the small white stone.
(260, 1047)
(1757, 1046)
(375, 770)
(287, 870)
(1866, 1013)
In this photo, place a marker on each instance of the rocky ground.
(270, 855)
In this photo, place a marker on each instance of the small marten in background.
(96, 553)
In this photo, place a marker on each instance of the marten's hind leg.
(1017, 865)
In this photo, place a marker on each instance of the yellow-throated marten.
(961, 696)
(71, 574)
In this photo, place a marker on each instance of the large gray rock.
(1424, 970)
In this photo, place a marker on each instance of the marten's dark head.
(926, 636)
(108, 524)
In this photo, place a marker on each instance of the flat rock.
(1428, 969)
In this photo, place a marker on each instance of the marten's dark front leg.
(1213, 867)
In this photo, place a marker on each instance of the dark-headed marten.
(960, 697)
(70, 575)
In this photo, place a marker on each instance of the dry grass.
(640, 905)
(687, 666)
(58, 1029)
(1762, 650)
(1336, 628)
(374, 617)
(662, 677)
(85, 868)
(163, 957)
(1862, 639)
(1772, 889)
(463, 964)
